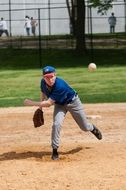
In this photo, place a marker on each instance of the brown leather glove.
(38, 118)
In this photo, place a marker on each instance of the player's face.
(50, 80)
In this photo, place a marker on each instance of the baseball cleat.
(97, 133)
(55, 155)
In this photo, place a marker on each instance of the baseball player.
(55, 91)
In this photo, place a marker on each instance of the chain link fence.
(53, 28)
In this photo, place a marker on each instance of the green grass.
(103, 85)
(20, 75)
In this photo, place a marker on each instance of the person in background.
(3, 27)
(112, 22)
(27, 25)
(33, 26)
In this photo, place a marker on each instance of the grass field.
(20, 75)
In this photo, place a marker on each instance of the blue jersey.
(60, 92)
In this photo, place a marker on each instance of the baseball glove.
(38, 118)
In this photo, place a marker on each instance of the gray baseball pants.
(77, 111)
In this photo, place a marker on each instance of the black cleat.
(97, 133)
(55, 155)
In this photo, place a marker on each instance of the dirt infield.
(85, 163)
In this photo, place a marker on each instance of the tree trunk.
(77, 22)
(80, 27)
(72, 16)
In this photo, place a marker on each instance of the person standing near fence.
(33, 26)
(27, 25)
(112, 22)
(3, 27)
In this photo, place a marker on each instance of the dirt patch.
(85, 163)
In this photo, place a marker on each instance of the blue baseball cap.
(48, 69)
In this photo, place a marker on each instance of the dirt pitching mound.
(85, 163)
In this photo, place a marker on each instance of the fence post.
(10, 17)
(125, 13)
(49, 15)
(91, 39)
(40, 46)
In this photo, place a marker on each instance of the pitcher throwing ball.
(55, 91)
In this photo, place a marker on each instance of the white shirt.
(27, 23)
(3, 25)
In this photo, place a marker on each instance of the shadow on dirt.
(39, 155)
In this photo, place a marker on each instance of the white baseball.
(92, 67)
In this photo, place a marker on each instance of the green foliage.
(18, 58)
(102, 5)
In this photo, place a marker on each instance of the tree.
(102, 5)
(72, 11)
(77, 15)
(76, 11)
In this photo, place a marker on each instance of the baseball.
(92, 67)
